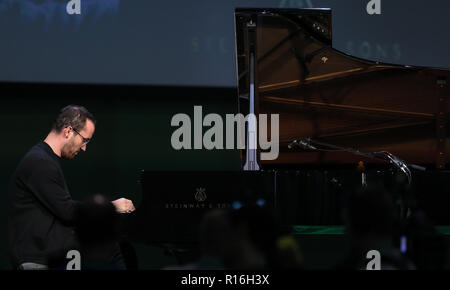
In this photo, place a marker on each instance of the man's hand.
(123, 205)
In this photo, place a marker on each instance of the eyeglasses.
(85, 140)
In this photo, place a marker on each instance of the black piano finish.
(173, 203)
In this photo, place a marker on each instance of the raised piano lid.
(324, 94)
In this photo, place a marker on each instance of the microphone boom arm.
(385, 156)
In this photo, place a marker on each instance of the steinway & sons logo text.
(200, 202)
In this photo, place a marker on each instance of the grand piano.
(322, 93)
(334, 108)
(286, 65)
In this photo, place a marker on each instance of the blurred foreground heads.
(248, 238)
(97, 231)
(372, 223)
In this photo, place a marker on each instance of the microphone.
(306, 145)
(400, 165)
(301, 143)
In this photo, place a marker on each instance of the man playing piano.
(41, 210)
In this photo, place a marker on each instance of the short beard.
(66, 150)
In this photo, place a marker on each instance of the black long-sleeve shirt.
(41, 210)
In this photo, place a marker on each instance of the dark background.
(167, 57)
(191, 43)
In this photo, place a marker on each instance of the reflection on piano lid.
(324, 94)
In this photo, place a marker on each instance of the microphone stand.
(384, 156)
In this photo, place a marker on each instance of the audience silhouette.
(372, 223)
(97, 231)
